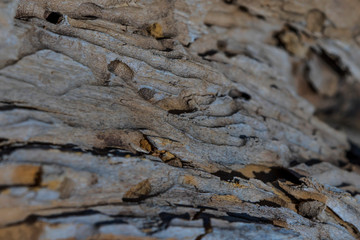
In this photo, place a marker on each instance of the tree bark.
(163, 119)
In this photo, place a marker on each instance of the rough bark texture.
(169, 119)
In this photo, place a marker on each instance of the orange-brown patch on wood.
(189, 180)
(140, 190)
(19, 175)
(156, 30)
(53, 184)
(144, 144)
(249, 170)
(280, 223)
(301, 194)
(23, 231)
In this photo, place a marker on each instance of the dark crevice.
(308, 81)
(334, 63)
(187, 45)
(274, 86)
(196, 216)
(332, 110)
(33, 218)
(251, 56)
(278, 35)
(312, 162)
(206, 218)
(229, 1)
(268, 204)
(277, 173)
(110, 222)
(314, 131)
(243, 9)
(247, 138)
(279, 42)
(353, 154)
(191, 206)
(228, 176)
(89, 17)
(113, 151)
(344, 184)
(138, 199)
(208, 53)
(229, 54)
(8, 149)
(291, 197)
(236, 94)
(237, 217)
(342, 163)
(10, 107)
(292, 29)
(294, 163)
(167, 217)
(261, 17)
(244, 217)
(53, 17)
(87, 212)
(168, 49)
(181, 111)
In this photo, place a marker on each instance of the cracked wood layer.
(170, 119)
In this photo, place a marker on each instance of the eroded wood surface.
(173, 119)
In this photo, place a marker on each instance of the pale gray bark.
(179, 119)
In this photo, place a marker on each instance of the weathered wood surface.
(170, 119)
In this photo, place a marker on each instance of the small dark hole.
(221, 44)
(89, 17)
(208, 53)
(54, 17)
(293, 163)
(268, 204)
(353, 154)
(226, 176)
(243, 9)
(229, 1)
(229, 54)
(344, 184)
(261, 17)
(274, 86)
(234, 93)
(312, 162)
(181, 111)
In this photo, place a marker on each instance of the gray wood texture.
(169, 119)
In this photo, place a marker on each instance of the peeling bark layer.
(179, 119)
